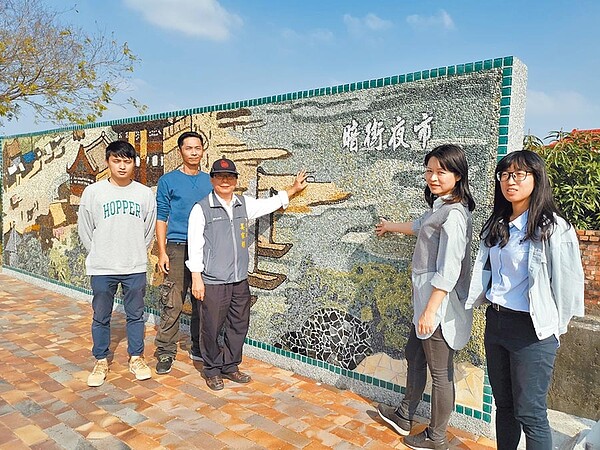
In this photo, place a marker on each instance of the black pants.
(519, 368)
(225, 305)
(433, 353)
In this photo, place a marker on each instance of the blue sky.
(203, 52)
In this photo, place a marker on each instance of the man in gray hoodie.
(116, 226)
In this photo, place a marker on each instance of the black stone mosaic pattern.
(333, 336)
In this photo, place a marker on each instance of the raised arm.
(300, 184)
(386, 226)
(259, 207)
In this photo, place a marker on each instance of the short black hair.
(122, 149)
(189, 134)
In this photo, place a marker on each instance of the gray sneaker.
(401, 425)
(164, 364)
(422, 441)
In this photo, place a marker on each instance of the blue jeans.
(519, 368)
(104, 288)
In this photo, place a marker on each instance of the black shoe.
(164, 364)
(422, 441)
(401, 425)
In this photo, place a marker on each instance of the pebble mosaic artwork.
(323, 284)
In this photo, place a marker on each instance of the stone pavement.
(45, 358)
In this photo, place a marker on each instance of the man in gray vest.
(218, 260)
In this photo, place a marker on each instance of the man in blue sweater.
(177, 192)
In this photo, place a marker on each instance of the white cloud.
(352, 23)
(202, 18)
(376, 23)
(313, 37)
(370, 22)
(441, 20)
(544, 104)
(553, 111)
(288, 33)
(321, 35)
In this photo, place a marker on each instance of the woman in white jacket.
(529, 270)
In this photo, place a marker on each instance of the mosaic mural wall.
(326, 291)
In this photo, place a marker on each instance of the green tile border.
(488, 399)
(49, 280)
(368, 379)
(505, 64)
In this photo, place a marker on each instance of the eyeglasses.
(517, 176)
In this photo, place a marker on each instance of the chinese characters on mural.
(375, 134)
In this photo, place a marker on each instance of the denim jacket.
(555, 280)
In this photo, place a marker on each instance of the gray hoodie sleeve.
(85, 222)
(150, 220)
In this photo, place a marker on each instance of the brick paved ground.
(45, 403)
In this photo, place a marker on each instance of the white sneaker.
(98, 375)
(195, 356)
(139, 368)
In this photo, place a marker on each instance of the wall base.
(575, 388)
(369, 391)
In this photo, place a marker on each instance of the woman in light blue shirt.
(441, 266)
(529, 270)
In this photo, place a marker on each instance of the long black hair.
(452, 158)
(542, 208)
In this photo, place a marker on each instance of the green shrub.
(573, 163)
